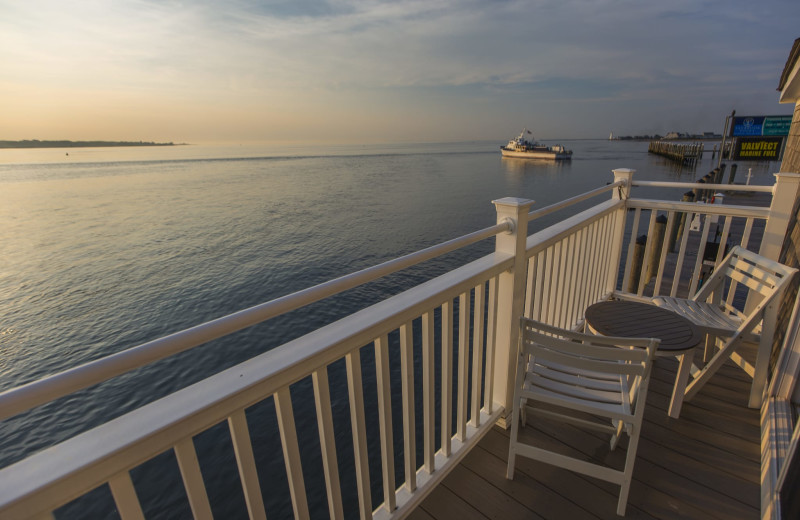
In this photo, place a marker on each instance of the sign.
(757, 149)
(750, 126)
(777, 125)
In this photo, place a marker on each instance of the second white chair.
(590, 381)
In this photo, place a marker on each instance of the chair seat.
(707, 316)
(576, 390)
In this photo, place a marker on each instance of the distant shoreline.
(35, 143)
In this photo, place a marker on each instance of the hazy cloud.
(270, 53)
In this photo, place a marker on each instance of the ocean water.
(104, 249)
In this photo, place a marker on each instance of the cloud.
(306, 55)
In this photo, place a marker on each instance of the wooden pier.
(681, 152)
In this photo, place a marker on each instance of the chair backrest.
(601, 356)
(758, 274)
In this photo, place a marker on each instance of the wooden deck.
(704, 465)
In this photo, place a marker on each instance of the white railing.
(451, 339)
(571, 265)
(694, 237)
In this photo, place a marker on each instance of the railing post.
(621, 193)
(623, 174)
(784, 194)
(510, 299)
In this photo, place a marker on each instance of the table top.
(642, 320)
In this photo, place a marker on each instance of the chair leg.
(681, 379)
(512, 443)
(719, 359)
(711, 347)
(630, 458)
(615, 438)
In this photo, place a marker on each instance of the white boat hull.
(535, 154)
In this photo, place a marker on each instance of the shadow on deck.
(704, 465)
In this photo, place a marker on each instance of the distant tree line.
(35, 143)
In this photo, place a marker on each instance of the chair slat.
(606, 383)
(596, 351)
(559, 398)
(762, 286)
(587, 364)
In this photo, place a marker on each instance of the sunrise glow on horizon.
(367, 72)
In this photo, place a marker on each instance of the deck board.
(704, 465)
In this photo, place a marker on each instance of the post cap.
(513, 202)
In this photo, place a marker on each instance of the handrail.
(703, 186)
(30, 395)
(700, 207)
(574, 200)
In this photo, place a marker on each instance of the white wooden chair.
(712, 310)
(584, 380)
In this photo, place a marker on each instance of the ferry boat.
(526, 148)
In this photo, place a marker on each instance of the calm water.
(104, 249)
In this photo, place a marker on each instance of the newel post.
(510, 299)
(621, 193)
(784, 194)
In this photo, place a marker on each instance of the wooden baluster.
(447, 377)
(243, 448)
(125, 497)
(357, 420)
(428, 392)
(193, 479)
(385, 421)
(409, 423)
(327, 441)
(477, 354)
(291, 452)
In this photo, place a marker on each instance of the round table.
(678, 335)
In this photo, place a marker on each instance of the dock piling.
(636, 264)
(734, 167)
(686, 153)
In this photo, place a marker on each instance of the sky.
(367, 71)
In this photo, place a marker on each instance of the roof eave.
(789, 86)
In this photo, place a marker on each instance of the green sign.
(777, 125)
